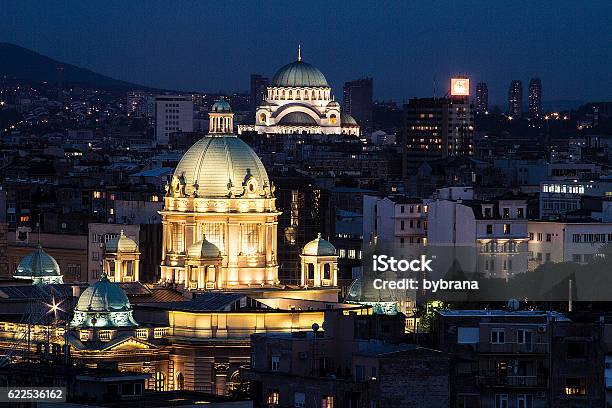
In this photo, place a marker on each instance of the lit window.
(575, 386)
(333, 119)
(160, 381)
(273, 397)
(328, 402)
(262, 118)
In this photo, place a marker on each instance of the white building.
(559, 197)
(487, 237)
(579, 242)
(173, 113)
(394, 220)
(300, 100)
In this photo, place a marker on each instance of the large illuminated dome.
(219, 217)
(40, 267)
(103, 304)
(218, 166)
(300, 74)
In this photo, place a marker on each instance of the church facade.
(300, 100)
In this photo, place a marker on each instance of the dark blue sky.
(406, 46)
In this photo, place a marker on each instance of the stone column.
(136, 269)
(234, 246)
(117, 275)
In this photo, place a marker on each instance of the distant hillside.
(24, 64)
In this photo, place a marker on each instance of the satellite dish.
(513, 305)
(315, 327)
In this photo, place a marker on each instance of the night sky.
(406, 46)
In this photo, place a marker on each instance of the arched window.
(312, 95)
(234, 381)
(299, 94)
(180, 381)
(283, 94)
(311, 270)
(290, 94)
(327, 272)
(262, 118)
(160, 381)
(333, 119)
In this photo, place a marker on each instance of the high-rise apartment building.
(259, 84)
(515, 99)
(173, 113)
(481, 104)
(535, 97)
(358, 102)
(436, 128)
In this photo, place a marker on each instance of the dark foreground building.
(358, 362)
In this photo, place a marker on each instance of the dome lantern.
(122, 259)
(221, 118)
(319, 264)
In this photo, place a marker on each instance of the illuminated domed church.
(300, 100)
(220, 218)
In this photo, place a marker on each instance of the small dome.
(221, 106)
(333, 104)
(299, 74)
(216, 162)
(348, 120)
(39, 266)
(121, 243)
(103, 304)
(319, 247)
(297, 119)
(203, 249)
(103, 296)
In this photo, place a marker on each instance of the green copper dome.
(221, 106)
(203, 249)
(299, 74)
(297, 119)
(347, 119)
(40, 267)
(319, 247)
(103, 304)
(218, 164)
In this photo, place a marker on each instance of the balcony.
(513, 348)
(512, 381)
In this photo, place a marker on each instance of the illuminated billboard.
(460, 87)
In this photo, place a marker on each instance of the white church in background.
(299, 100)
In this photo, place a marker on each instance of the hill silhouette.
(26, 65)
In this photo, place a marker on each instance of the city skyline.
(122, 43)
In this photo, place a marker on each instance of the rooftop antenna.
(299, 52)
(38, 225)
